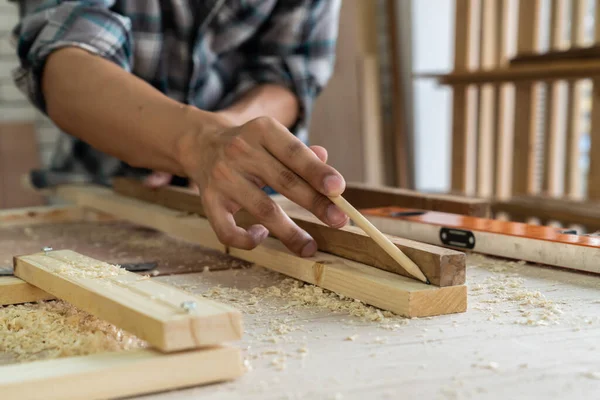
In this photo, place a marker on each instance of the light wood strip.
(523, 163)
(460, 110)
(554, 108)
(442, 268)
(16, 291)
(572, 174)
(151, 310)
(118, 375)
(489, 101)
(401, 295)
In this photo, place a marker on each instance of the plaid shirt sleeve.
(89, 25)
(295, 48)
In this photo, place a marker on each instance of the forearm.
(116, 112)
(265, 100)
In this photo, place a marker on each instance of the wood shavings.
(492, 365)
(592, 375)
(84, 269)
(351, 338)
(57, 329)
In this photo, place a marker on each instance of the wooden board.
(444, 300)
(401, 295)
(49, 214)
(540, 244)
(443, 268)
(366, 196)
(148, 309)
(118, 375)
(547, 209)
(16, 291)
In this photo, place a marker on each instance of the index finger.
(294, 154)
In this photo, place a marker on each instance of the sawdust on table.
(56, 329)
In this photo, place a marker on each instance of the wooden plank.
(49, 215)
(460, 111)
(382, 289)
(118, 375)
(16, 291)
(175, 223)
(399, 25)
(489, 101)
(566, 211)
(367, 196)
(538, 244)
(442, 268)
(150, 310)
(574, 69)
(554, 107)
(573, 53)
(572, 175)
(525, 123)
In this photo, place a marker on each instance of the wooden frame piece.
(406, 296)
(403, 296)
(151, 310)
(441, 266)
(16, 291)
(49, 215)
(567, 212)
(538, 244)
(118, 375)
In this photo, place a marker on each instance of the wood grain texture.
(441, 266)
(49, 215)
(148, 309)
(572, 175)
(118, 375)
(568, 212)
(382, 289)
(16, 291)
(367, 196)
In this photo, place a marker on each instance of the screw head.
(189, 306)
(47, 249)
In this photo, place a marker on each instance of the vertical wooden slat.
(462, 38)
(523, 166)
(554, 106)
(490, 51)
(400, 61)
(572, 174)
(593, 179)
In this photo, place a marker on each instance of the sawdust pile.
(56, 329)
(506, 289)
(89, 268)
(292, 294)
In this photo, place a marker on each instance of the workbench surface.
(529, 332)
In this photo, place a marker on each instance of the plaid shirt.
(200, 52)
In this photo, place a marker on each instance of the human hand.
(232, 163)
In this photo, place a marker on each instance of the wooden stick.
(118, 375)
(401, 295)
(443, 267)
(166, 317)
(379, 238)
(17, 291)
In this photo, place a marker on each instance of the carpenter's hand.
(231, 163)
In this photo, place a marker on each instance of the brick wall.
(13, 105)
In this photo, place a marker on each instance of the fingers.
(292, 186)
(320, 152)
(221, 220)
(270, 214)
(158, 179)
(302, 160)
